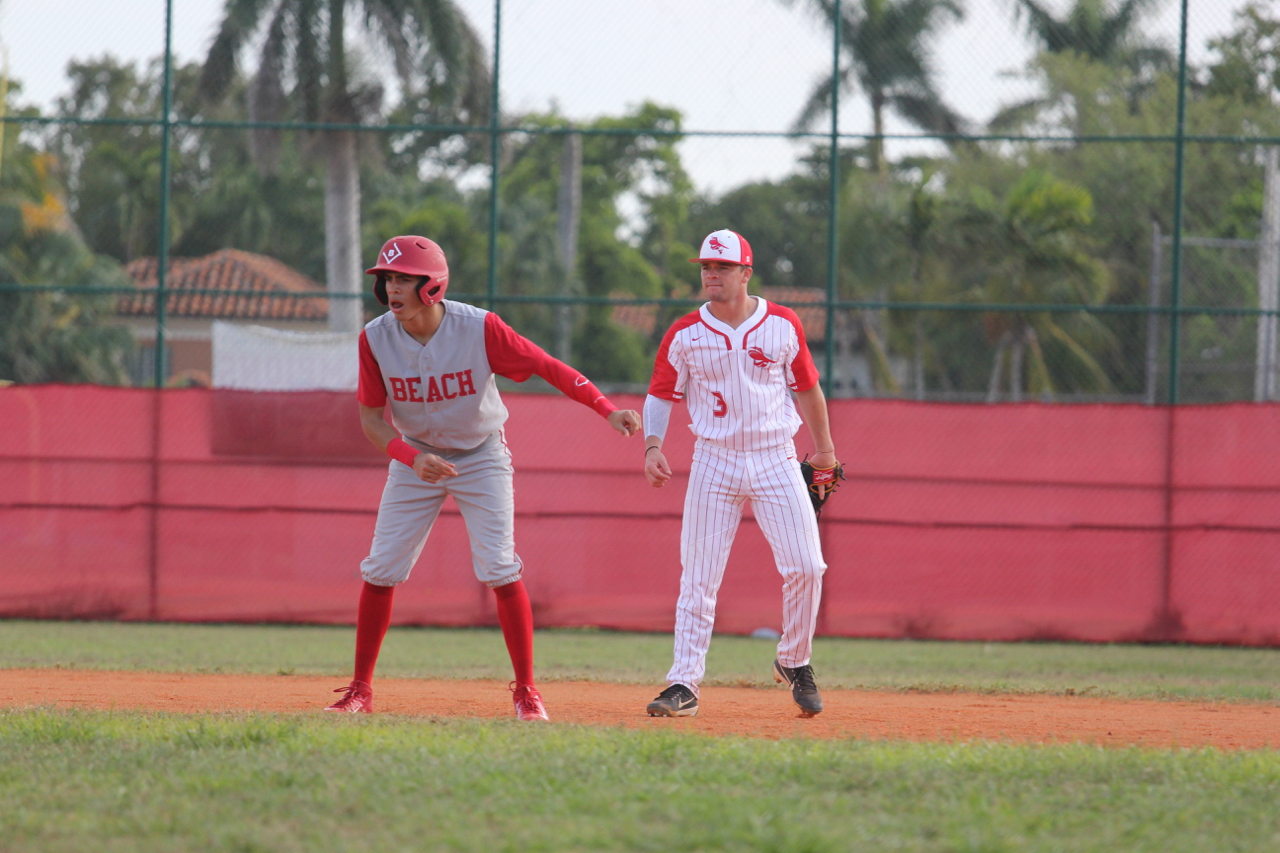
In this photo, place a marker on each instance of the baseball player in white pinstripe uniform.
(734, 362)
(435, 361)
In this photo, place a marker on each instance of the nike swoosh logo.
(698, 338)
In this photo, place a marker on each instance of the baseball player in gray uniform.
(434, 361)
(734, 362)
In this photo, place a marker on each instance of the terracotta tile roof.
(813, 319)
(243, 281)
(642, 318)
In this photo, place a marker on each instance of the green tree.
(307, 72)
(928, 278)
(1132, 185)
(110, 161)
(111, 166)
(48, 334)
(887, 56)
(1032, 247)
(1247, 62)
(1104, 31)
(631, 157)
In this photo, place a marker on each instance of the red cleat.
(357, 699)
(528, 702)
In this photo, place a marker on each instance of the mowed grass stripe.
(1107, 670)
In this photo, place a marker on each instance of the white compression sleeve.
(657, 414)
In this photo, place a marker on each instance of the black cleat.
(676, 701)
(803, 689)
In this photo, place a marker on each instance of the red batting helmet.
(414, 256)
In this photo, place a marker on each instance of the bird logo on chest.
(758, 357)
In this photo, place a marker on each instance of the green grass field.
(115, 781)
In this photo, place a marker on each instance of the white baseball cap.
(725, 245)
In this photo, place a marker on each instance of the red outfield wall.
(1105, 523)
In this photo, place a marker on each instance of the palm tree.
(1031, 249)
(888, 58)
(1103, 31)
(306, 73)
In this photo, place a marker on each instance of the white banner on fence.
(258, 358)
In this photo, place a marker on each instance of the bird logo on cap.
(714, 243)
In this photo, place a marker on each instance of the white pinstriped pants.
(721, 481)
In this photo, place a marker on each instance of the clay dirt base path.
(751, 712)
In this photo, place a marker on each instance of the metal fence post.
(833, 195)
(166, 138)
(1153, 318)
(162, 270)
(1264, 377)
(1180, 150)
(495, 118)
(1167, 625)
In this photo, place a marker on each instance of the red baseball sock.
(516, 618)
(372, 621)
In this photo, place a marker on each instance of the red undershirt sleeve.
(663, 382)
(371, 391)
(517, 358)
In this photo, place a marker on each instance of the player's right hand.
(432, 468)
(656, 469)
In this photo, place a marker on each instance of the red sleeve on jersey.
(802, 367)
(372, 391)
(663, 382)
(516, 357)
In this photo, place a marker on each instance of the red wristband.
(401, 451)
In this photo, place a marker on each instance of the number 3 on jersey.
(722, 408)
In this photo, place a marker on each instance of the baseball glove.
(821, 483)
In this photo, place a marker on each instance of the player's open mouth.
(395, 305)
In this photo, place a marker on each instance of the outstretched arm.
(516, 357)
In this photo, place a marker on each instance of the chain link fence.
(1004, 201)
(982, 202)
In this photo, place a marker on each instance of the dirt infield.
(751, 712)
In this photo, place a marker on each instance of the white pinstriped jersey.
(735, 381)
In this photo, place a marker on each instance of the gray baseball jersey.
(444, 400)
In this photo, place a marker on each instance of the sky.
(730, 66)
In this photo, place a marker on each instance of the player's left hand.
(432, 469)
(823, 460)
(822, 476)
(625, 421)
